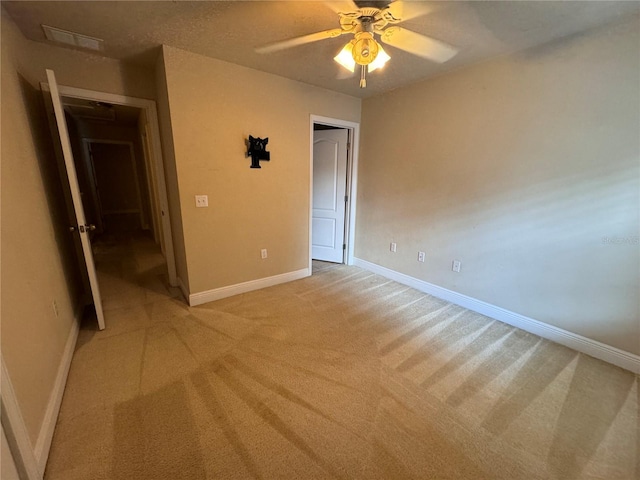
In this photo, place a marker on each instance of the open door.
(329, 200)
(80, 228)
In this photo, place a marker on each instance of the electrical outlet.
(263, 253)
(202, 200)
(54, 305)
(393, 247)
(421, 256)
(456, 266)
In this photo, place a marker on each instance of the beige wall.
(518, 167)
(38, 265)
(84, 70)
(215, 106)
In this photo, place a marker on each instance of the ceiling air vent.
(71, 38)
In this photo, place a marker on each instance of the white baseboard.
(596, 349)
(223, 292)
(43, 443)
(14, 428)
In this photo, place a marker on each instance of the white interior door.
(329, 188)
(81, 226)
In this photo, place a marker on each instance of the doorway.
(113, 171)
(81, 116)
(334, 147)
(138, 125)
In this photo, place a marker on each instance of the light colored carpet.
(343, 375)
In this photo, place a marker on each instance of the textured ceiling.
(230, 30)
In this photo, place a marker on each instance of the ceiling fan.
(366, 19)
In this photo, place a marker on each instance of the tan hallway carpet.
(342, 375)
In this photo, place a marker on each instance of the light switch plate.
(202, 201)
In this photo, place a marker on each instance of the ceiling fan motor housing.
(378, 5)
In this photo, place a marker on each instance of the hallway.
(131, 272)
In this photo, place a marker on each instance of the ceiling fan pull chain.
(363, 77)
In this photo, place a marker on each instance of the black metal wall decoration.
(257, 151)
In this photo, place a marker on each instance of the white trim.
(224, 292)
(158, 161)
(16, 430)
(152, 117)
(596, 349)
(7, 463)
(43, 444)
(152, 184)
(88, 163)
(183, 288)
(352, 180)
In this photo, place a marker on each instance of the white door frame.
(352, 181)
(93, 187)
(149, 106)
(16, 430)
(86, 147)
(143, 130)
(331, 154)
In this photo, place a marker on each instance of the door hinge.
(344, 246)
(348, 147)
(346, 198)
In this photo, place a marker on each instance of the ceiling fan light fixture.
(367, 19)
(365, 49)
(381, 59)
(362, 50)
(345, 57)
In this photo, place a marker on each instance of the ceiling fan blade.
(294, 42)
(419, 45)
(409, 10)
